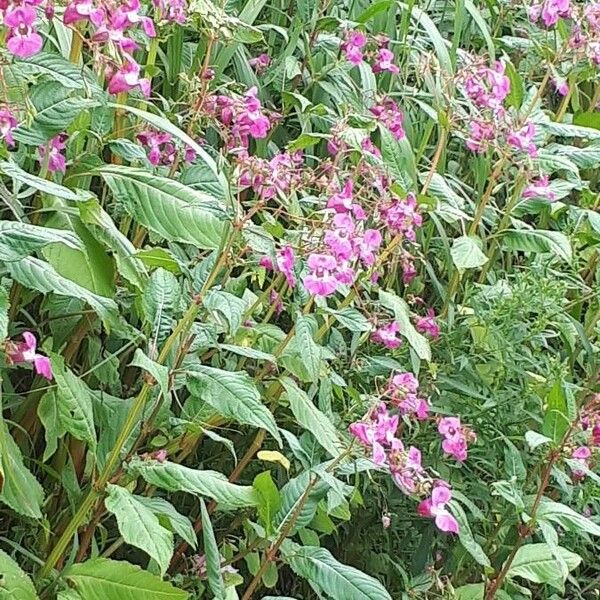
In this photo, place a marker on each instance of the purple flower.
(321, 280)
(353, 47)
(435, 507)
(79, 10)
(56, 159)
(480, 134)
(7, 124)
(428, 324)
(25, 352)
(387, 335)
(385, 62)
(127, 78)
(340, 238)
(22, 39)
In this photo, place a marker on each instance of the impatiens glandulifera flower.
(385, 62)
(428, 324)
(56, 159)
(286, 260)
(388, 113)
(456, 437)
(539, 188)
(174, 11)
(435, 508)
(25, 352)
(523, 139)
(81, 10)
(22, 39)
(162, 149)
(376, 432)
(268, 178)
(260, 63)
(402, 216)
(487, 87)
(402, 390)
(405, 467)
(127, 78)
(353, 46)
(7, 124)
(387, 335)
(581, 455)
(550, 11)
(321, 280)
(481, 133)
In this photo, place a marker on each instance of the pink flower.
(402, 216)
(173, 11)
(56, 160)
(561, 86)
(7, 124)
(390, 115)
(405, 467)
(487, 87)
(341, 201)
(435, 507)
(266, 262)
(596, 434)
(258, 125)
(377, 431)
(523, 139)
(285, 263)
(353, 45)
(581, 456)
(480, 134)
(340, 238)
(367, 245)
(321, 281)
(387, 335)
(385, 62)
(402, 390)
(540, 189)
(25, 352)
(158, 152)
(456, 437)
(553, 9)
(79, 10)
(428, 324)
(276, 301)
(22, 38)
(127, 78)
(260, 63)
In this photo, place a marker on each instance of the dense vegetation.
(299, 299)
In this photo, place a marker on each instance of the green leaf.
(14, 582)
(177, 522)
(311, 418)
(566, 517)
(166, 207)
(160, 303)
(351, 319)
(39, 275)
(19, 489)
(402, 314)
(99, 222)
(159, 257)
(535, 562)
(13, 170)
(310, 351)
(213, 556)
(471, 591)
(535, 439)
(4, 307)
(269, 499)
(466, 253)
(233, 395)
(465, 535)
(18, 239)
(230, 306)
(569, 131)
(48, 414)
(104, 579)
(139, 526)
(337, 580)
(74, 403)
(159, 372)
(556, 422)
(56, 108)
(55, 67)
(537, 240)
(399, 157)
(177, 478)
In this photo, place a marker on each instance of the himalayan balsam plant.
(299, 299)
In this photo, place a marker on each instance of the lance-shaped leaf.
(213, 557)
(15, 581)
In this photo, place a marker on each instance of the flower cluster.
(113, 24)
(353, 48)
(456, 437)
(550, 11)
(242, 116)
(401, 216)
(387, 335)
(348, 244)
(268, 178)
(173, 11)
(162, 149)
(285, 262)
(388, 113)
(260, 63)
(25, 352)
(378, 432)
(539, 188)
(53, 153)
(428, 324)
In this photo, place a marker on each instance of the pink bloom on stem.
(340, 238)
(258, 124)
(341, 201)
(321, 280)
(435, 507)
(127, 78)
(480, 135)
(405, 467)
(540, 189)
(561, 86)
(402, 216)
(553, 9)
(523, 139)
(353, 45)
(367, 245)
(385, 62)
(428, 324)
(260, 63)
(596, 434)
(22, 39)
(391, 116)
(7, 124)
(285, 263)
(56, 160)
(581, 456)
(376, 432)
(79, 10)
(266, 263)
(25, 352)
(456, 437)
(387, 335)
